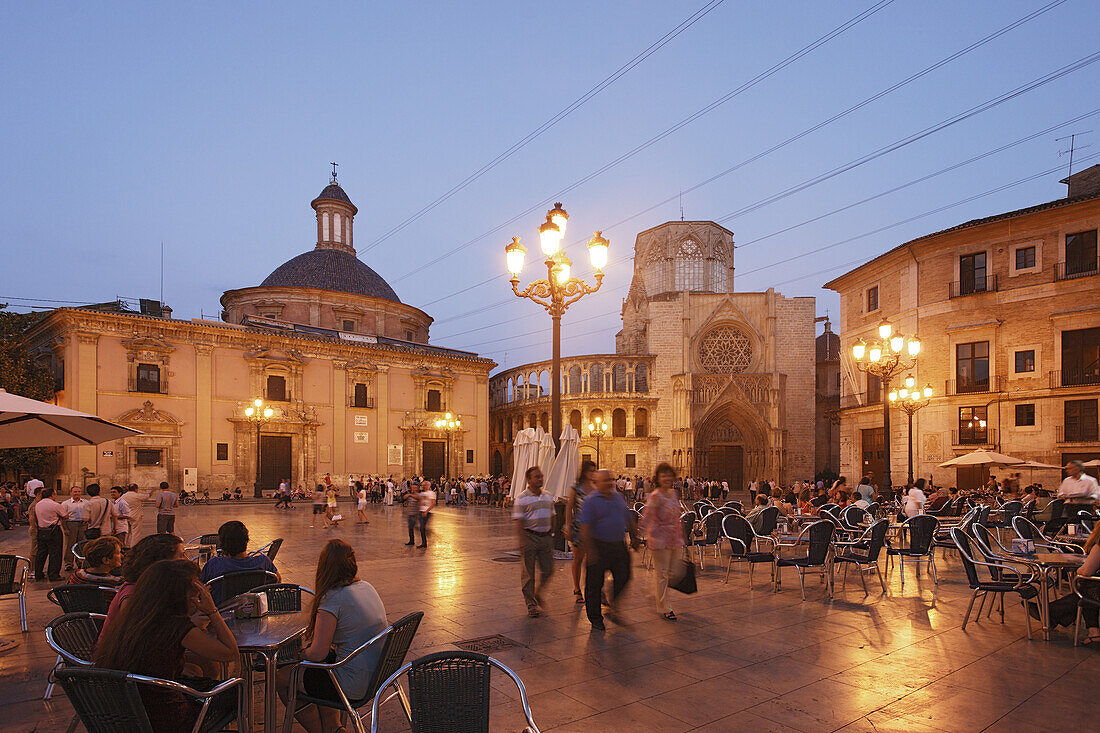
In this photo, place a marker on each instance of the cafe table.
(1047, 562)
(262, 637)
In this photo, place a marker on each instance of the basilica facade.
(717, 382)
(347, 368)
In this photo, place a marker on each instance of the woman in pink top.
(663, 532)
(147, 551)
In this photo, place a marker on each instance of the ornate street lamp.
(258, 415)
(558, 290)
(448, 425)
(597, 428)
(911, 401)
(886, 357)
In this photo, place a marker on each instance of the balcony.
(956, 387)
(860, 399)
(959, 289)
(974, 436)
(1078, 433)
(1076, 268)
(1076, 377)
(367, 403)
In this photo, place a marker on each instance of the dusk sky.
(210, 127)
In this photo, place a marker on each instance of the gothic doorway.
(498, 464)
(432, 457)
(726, 463)
(275, 460)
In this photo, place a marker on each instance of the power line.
(668, 131)
(572, 107)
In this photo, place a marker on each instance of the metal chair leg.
(1027, 620)
(901, 564)
(49, 678)
(1076, 625)
(932, 562)
(728, 566)
(802, 583)
(863, 579)
(881, 580)
(970, 607)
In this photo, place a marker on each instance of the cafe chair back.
(999, 578)
(271, 549)
(818, 538)
(231, 585)
(77, 597)
(863, 553)
(745, 544)
(73, 636)
(921, 531)
(13, 583)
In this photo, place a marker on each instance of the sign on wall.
(361, 421)
(395, 455)
(108, 454)
(361, 437)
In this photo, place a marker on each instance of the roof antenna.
(1071, 137)
(162, 274)
(334, 171)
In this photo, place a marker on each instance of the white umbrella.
(564, 472)
(1090, 464)
(524, 455)
(27, 423)
(982, 458)
(547, 451)
(1036, 464)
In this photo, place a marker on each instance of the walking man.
(412, 511)
(533, 513)
(135, 499)
(166, 509)
(74, 523)
(47, 517)
(604, 520)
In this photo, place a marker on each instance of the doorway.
(275, 464)
(873, 454)
(726, 463)
(432, 467)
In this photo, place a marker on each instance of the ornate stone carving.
(725, 350)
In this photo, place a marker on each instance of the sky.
(208, 128)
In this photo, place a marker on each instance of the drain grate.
(487, 644)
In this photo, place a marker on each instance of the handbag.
(685, 579)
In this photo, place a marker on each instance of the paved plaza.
(740, 658)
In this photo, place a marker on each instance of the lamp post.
(448, 425)
(557, 291)
(597, 428)
(258, 415)
(886, 357)
(911, 401)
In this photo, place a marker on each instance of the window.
(148, 378)
(435, 401)
(146, 457)
(618, 423)
(1081, 422)
(276, 388)
(874, 390)
(361, 396)
(1025, 361)
(631, 460)
(1081, 253)
(409, 335)
(348, 325)
(575, 420)
(872, 299)
(641, 378)
(641, 418)
(972, 273)
(1081, 357)
(1025, 415)
(689, 266)
(469, 456)
(1025, 258)
(222, 451)
(586, 457)
(972, 367)
(972, 425)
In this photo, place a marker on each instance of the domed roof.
(331, 269)
(333, 191)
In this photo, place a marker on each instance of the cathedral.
(346, 368)
(719, 383)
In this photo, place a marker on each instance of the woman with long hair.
(346, 614)
(663, 534)
(573, 503)
(169, 613)
(148, 550)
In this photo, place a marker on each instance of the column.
(204, 400)
(382, 420)
(339, 417)
(481, 449)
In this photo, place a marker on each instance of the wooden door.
(873, 454)
(432, 454)
(275, 461)
(726, 463)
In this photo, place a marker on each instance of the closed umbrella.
(27, 423)
(547, 451)
(982, 458)
(524, 455)
(564, 472)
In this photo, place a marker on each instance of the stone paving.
(740, 658)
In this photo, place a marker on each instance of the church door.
(726, 463)
(432, 452)
(275, 459)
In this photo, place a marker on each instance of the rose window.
(725, 350)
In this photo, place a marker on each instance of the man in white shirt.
(1078, 487)
(533, 514)
(74, 523)
(427, 499)
(33, 485)
(120, 515)
(97, 513)
(47, 517)
(134, 500)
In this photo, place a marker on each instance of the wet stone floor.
(740, 657)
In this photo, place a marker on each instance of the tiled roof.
(331, 269)
(333, 191)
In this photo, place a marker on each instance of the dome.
(331, 269)
(333, 192)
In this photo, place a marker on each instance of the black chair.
(283, 597)
(819, 538)
(688, 520)
(769, 520)
(1009, 511)
(1054, 525)
(1084, 600)
(395, 641)
(1087, 520)
(828, 507)
(744, 544)
(851, 517)
(73, 636)
(921, 530)
(1026, 530)
(13, 582)
(82, 597)
(78, 552)
(1003, 578)
(863, 553)
(873, 510)
(735, 505)
(108, 701)
(449, 693)
(231, 585)
(212, 538)
(271, 549)
(712, 534)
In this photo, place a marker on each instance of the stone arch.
(641, 378)
(618, 423)
(544, 383)
(497, 467)
(618, 377)
(595, 378)
(544, 422)
(575, 380)
(641, 422)
(732, 431)
(575, 420)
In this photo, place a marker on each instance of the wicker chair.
(231, 585)
(13, 582)
(395, 640)
(922, 531)
(82, 597)
(449, 693)
(271, 549)
(863, 553)
(108, 701)
(745, 544)
(73, 636)
(818, 558)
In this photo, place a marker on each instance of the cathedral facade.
(347, 368)
(718, 383)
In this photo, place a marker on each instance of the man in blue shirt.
(604, 520)
(234, 557)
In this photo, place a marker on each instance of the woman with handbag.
(663, 534)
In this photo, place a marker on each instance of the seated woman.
(805, 503)
(102, 560)
(1063, 612)
(147, 551)
(777, 501)
(346, 614)
(169, 613)
(234, 557)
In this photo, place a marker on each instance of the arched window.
(532, 420)
(593, 414)
(618, 378)
(595, 378)
(509, 391)
(498, 463)
(544, 383)
(544, 421)
(434, 401)
(641, 423)
(641, 378)
(618, 423)
(690, 266)
(575, 420)
(575, 380)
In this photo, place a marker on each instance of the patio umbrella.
(547, 451)
(524, 455)
(982, 458)
(1036, 464)
(564, 471)
(1090, 464)
(27, 423)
